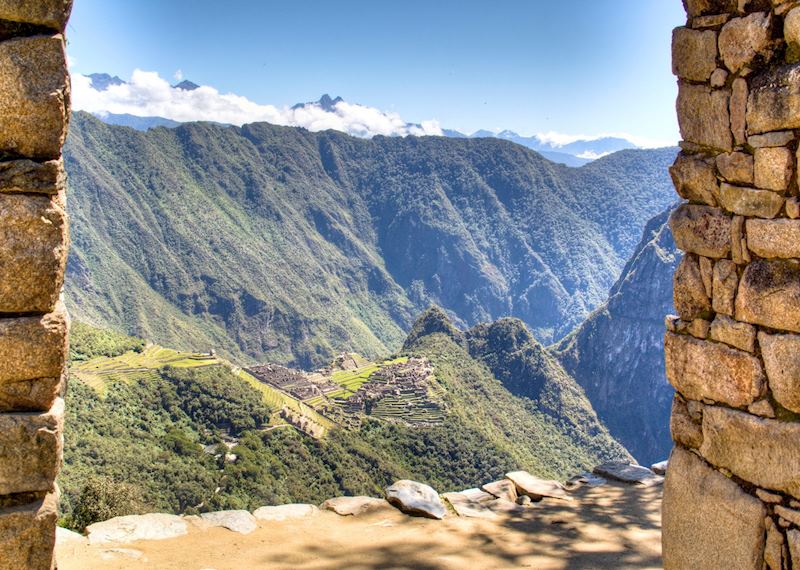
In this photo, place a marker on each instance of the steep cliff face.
(617, 354)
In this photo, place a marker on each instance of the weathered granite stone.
(709, 521)
(791, 28)
(237, 521)
(703, 116)
(702, 230)
(536, 488)
(750, 202)
(28, 534)
(285, 512)
(719, 77)
(762, 451)
(740, 335)
(713, 21)
(628, 473)
(33, 252)
(707, 273)
(28, 176)
(781, 353)
(768, 497)
(356, 506)
(738, 110)
(122, 530)
(773, 550)
(30, 449)
(726, 281)
(49, 13)
(694, 53)
(741, 39)
(793, 208)
(415, 498)
(762, 408)
(696, 8)
(502, 489)
(34, 96)
(33, 347)
(65, 536)
(790, 515)
(736, 167)
(689, 293)
(773, 168)
(685, 430)
(701, 369)
(477, 495)
(769, 294)
(793, 539)
(694, 179)
(699, 328)
(778, 138)
(31, 395)
(774, 238)
(738, 241)
(464, 506)
(774, 102)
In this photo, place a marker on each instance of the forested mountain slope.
(276, 243)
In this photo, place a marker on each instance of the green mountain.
(617, 354)
(156, 440)
(275, 243)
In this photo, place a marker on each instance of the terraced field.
(352, 380)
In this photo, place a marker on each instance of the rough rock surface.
(285, 512)
(773, 168)
(725, 283)
(686, 430)
(739, 335)
(702, 230)
(464, 506)
(769, 294)
(355, 506)
(781, 353)
(122, 530)
(736, 167)
(695, 179)
(774, 238)
(502, 489)
(750, 201)
(28, 534)
(536, 488)
(689, 290)
(49, 13)
(741, 39)
(237, 521)
(415, 499)
(694, 53)
(628, 473)
(712, 523)
(29, 176)
(703, 116)
(774, 102)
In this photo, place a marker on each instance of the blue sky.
(571, 66)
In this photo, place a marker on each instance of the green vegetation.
(274, 243)
(87, 342)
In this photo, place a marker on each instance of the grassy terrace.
(352, 380)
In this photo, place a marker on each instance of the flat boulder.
(415, 499)
(465, 506)
(502, 489)
(130, 528)
(628, 473)
(536, 488)
(355, 506)
(285, 512)
(66, 536)
(237, 521)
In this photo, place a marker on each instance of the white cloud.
(178, 75)
(149, 95)
(556, 139)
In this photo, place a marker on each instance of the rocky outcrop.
(415, 499)
(121, 530)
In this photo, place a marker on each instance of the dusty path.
(612, 526)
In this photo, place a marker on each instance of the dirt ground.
(611, 526)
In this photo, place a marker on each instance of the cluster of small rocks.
(34, 110)
(733, 352)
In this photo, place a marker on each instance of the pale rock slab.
(628, 473)
(694, 53)
(750, 201)
(774, 238)
(781, 353)
(773, 168)
(712, 523)
(356, 506)
(130, 528)
(695, 179)
(502, 489)
(703, 116)
(286, 512)
(28, 534)
(536, 488)
(48, 13)
(741, 39)
(29, 176)
(707, 370)
(685, 430)
(731, 332)
(464, 506)
(778, 138)
(762, 451)
(66, 536)
(736, 167)
(702, 230)
(725, 283)
(769, 294)
(415, 498)
(689, 292)
(237, 520)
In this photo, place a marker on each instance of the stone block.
(761, 451)
(791, 28)
(701, 230)
(774, 238)
(704, 370)
(736, 334)
(30, 449)
(741, 39)
(719, 77)
(736, 167)
(774, 101)
(49, 13)
(762, 408)
(707, 274)
(779, 138)
(695, 179)
(28, 176)
(703, 116)
(781, 354)
(33, 252)
(750, 202)
(699, 328)
(708, 521)
(685, 429)
(793, 208)
(726, 281)
(694, 53)
(738, 241)
(713, 21)
(33, 347)
(695, 8)
(769, 294)
(689, 293)
(773, 168)
(738, 110)
(34, 97)
(773, 550)
(28, 534)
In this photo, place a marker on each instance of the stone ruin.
(732, 491)
(34, 111)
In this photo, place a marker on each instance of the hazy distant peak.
(326, 103)
(102, 81)
(187, 85)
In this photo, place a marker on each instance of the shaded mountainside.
(137, 445)
(276, 243)
(617, 354)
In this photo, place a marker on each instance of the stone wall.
(732, 492)
(34, 111)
